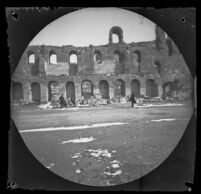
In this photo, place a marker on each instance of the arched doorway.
(119, 90)
(151, 88)
(104, 89)
(17, 91)
(70, 90)
(87, 89)
(53, 89)
(135, 87)
(171, 88)
(35, 91)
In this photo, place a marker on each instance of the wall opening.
(118, 60)
(53, 89)
(35, 67)
(119, 88)
(35, 91)
(151, 88)
(115, 38)
(116, 35)
(52, 57)
(73, 60)
(104, 89)
(135, 87)
(170, 47)
(137, 55)
(70, 90)
(73, 57)
(97, 57)
(158, 67)
(31, 57)
(117, 56)
(87, 89)
(171, 89)
(17, 91)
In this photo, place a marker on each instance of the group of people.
(71, 102)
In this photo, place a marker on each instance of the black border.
(20, 32)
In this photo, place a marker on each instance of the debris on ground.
(77, 155)
(118, 172)
(46, 106)
(100, 153)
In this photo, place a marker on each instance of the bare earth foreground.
(107, 145)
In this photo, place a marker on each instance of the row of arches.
(73, 59)
(87, 89)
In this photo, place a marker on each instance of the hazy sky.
(92, 26)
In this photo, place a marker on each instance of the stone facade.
(153, 68)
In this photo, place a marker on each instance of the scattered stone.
(118, 172)
(77, 155)
(78, 170)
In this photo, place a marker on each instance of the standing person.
(132, 99)
(62, 101)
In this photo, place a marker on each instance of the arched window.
(158, 67)
(117, 56)
(137, 54)
(97, 57)
(52, 57)
(35, 67)
(73, 57)
(31, 57)
(119, 63)
(116, 35)
(115, 38)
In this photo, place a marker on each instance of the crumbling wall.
(137, 61)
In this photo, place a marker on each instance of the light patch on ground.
(80, 140)
(159, 120)
(118, 172)
(159, 105)
(99, 153)
(72, 127)
(78, 170)
(46, 106)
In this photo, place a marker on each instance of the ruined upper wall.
(115, 58)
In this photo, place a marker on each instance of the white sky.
(92, 25)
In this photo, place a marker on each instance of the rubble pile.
(92, 101)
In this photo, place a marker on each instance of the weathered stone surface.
(140, 61)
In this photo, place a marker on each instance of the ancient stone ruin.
(150, 69)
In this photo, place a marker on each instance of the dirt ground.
(115, 154)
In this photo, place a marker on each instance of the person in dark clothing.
(132, 99)
(62, 101)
